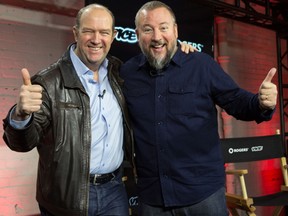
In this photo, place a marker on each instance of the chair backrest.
(246, 149)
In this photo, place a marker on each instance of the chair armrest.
(237, 172)
(240, 174)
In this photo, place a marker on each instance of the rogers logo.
(231, 150)
(256, 148)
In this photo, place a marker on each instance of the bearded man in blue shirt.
(171, 97)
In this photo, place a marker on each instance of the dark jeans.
(109, 199)
(215, 205)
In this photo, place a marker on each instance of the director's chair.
(249, 149)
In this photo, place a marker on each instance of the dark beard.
(156, 64)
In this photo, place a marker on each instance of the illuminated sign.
(128, 35)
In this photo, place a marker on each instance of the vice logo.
(133, 201)
(256, 148)
(127, 35)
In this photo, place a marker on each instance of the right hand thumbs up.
(26, 77)
(29, 99)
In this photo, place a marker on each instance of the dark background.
(195, 24)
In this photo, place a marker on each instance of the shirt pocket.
(68, 115)
(181, 99)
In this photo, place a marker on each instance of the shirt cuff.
(267, 113)
(18, 124)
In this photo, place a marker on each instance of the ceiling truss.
(264, 13)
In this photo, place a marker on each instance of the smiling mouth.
(157, 46)
(94, 48)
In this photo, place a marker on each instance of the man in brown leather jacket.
(73, 112)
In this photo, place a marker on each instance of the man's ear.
(114, 34)
(176, 30)
(75, 33)
(137, 33)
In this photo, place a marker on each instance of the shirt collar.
(82, 69)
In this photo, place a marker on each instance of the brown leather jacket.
(61, 132)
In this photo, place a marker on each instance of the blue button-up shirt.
(178, 153)
(106, 118)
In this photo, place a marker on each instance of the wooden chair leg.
(233, 212)
(130, 212)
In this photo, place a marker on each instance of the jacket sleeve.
(23, 140)
(20, 140)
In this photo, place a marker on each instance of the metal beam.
(48, 8)
(245, 11)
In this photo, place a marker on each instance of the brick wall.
(34, 43)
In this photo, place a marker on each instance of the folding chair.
(249, 149)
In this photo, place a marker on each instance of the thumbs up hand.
(268, 92)
(29, 99)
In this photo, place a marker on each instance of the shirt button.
(160, 123)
